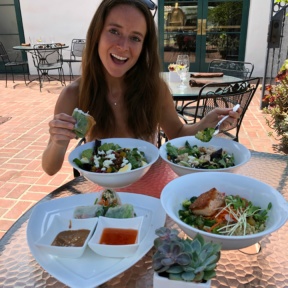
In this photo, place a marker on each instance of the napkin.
(201, 83)
(59, 44)
(207, 74)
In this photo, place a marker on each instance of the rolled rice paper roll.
(109, 198)
(122, 211)
(83, 212)
(84, 122)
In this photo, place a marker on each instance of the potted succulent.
(276, 97)
(191, 261)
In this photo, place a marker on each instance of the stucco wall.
(58, 20)
(256, 43)
(67, 19)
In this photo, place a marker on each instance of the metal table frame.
(30, 49)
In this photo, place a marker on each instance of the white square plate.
(91, 270)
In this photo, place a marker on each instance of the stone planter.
(162, 282)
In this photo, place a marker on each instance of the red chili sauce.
(117, 236)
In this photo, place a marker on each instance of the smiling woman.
(121, 85)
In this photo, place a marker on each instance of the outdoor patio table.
(268, 268)
(30, 49)
(191, 93)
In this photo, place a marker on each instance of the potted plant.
(276, 98)
(191, 261)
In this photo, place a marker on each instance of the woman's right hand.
(61, 128)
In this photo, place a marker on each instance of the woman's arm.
(61, 129)
(174, 127)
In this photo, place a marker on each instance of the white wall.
(67, 19)
(61, 20)
(256, 43)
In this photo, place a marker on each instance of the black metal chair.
(228, 95)
(77, 47)
(10, 65)
(239, 69)
(47, 57)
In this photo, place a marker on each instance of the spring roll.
(84, 122)
(83, 212)
(109, 198)
(121, 211)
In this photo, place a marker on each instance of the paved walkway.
(24, 137)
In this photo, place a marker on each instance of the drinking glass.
(182, 68)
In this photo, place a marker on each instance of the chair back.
(239, 69)
(212, 96)
(47, 57)
(3, 54)
(77, 47)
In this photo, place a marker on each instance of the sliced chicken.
(208, 203)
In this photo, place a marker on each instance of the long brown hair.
(142, 80)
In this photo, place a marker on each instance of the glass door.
(11, 31)
(205, 30)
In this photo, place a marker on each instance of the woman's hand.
(213, 117)
(61, 128)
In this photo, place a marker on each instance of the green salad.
(237, 217)
(110, 158)
(205, 135)
(199, 157)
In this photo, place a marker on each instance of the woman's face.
(122, 39)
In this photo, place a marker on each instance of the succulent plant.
(184, 259)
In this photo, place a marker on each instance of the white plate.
(91, 269)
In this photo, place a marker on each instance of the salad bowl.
(260, 194)
(127, 175)
(239, 152)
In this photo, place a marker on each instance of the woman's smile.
(118, 59)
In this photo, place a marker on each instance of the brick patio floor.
(24, 137)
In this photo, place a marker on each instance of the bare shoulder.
(68, 98)
(165, 93)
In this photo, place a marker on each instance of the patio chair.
(46, 58)
(10, 65)
(77, 47)
(239, 69)
(226, 96)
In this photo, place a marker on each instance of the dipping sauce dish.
(67, 238)
(116, 237)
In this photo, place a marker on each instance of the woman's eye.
(114, 31)
(135, 39)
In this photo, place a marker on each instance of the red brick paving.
(24, 137)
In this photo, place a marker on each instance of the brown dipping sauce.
(71, 238)
(117, 236)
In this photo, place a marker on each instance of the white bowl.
(184, 187)
(123, 179)
(241, 154)
(60, 224)
(116, 250)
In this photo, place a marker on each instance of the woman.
(120, 85)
